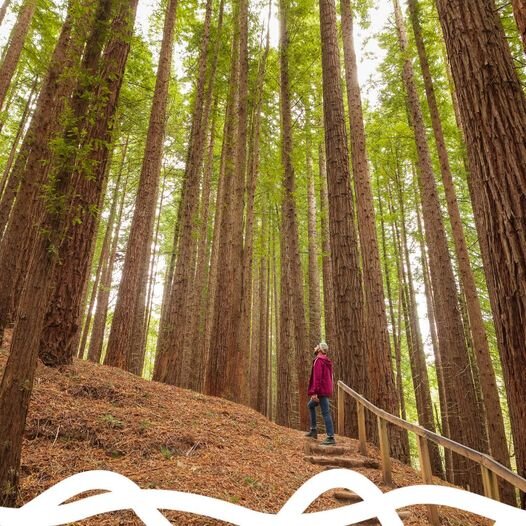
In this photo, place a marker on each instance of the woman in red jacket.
(320, 389)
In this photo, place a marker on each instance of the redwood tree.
(493, 111)
(347, 275)
(128, 319)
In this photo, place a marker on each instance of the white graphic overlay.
(120, 493)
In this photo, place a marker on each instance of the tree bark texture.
(493, 111)
(347, 276)
(128, 318)
(3, 10)
(170, 364)
(314, 312)
(64, 314)
(462, 399)
(519, 11)
(290, 222)
(32, 170)
(488, 383)
(381, 388)
(15, 46)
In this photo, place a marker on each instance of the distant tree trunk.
(263, 328)
(396, 325)
(227, 359)
(347, 276)
(285, 349)
(32, 170)
(462, 399)
(314, 312)
(198, 358)
(328, 288)
(252, 179)
(220, 199)
(63, 317)
(217, 348)
(291, 255)
(128, 319)
(255, 314)
(488, 384)
(445, 426)
(105, 255)
(417, 357)
(15, 46)
(3, 9)
(10, 181)
(103, 295)
(380, 380)
(519, 10)
(171, 367)
(493, 111)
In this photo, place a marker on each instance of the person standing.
(320, 390)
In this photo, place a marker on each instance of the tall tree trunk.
(285, 349)
(32, 170)
(263, 326)
(228, 361)
(289, 219)
(10, 182)
(3, 9)
(314, 312)
(170, 366)
(462, 399)
(201, 278)
(63, 317)
(103, 295)
(15, 46)
(17, 381)
(128, 319)
(347, 276)
(417, 357)
(252, 179)
(488, 384)
(105, 254)
(396, 325)
(493, 111)
(519, 11)
(380, 380)
(436, 348)
(328, 287)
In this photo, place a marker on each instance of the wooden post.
(490, 483)
(362, 433)
(427, 475)
(385, 451)
(341, 411)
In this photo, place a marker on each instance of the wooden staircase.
(331, 457)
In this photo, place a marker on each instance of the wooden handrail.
(485, 461)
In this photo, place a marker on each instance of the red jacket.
(320, 382)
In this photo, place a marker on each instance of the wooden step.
(315, 447)
(342, 462)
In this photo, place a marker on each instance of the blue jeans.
(325, 411)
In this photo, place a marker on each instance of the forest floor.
(86, 417)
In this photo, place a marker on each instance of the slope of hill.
(88, 417)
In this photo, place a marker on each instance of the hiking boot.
(329, 441)
(312, 434)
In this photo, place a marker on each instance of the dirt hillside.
(87, 417)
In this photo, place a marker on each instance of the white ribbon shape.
(120, 493)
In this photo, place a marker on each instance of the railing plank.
(482, 459)
(362, 432)
(341, 411)
(427, 476)
(385, 451)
